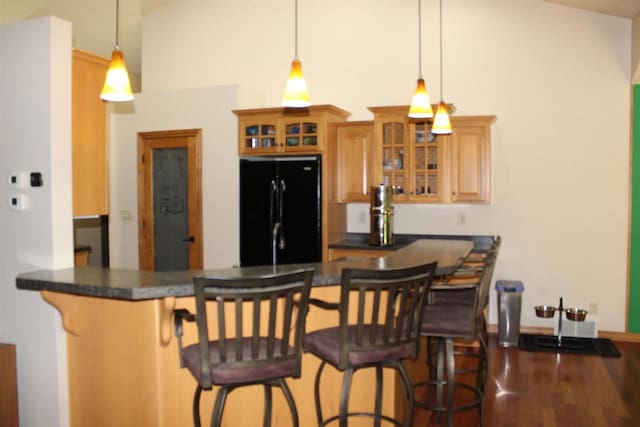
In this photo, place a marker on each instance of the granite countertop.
(142, 285)
(361, 241)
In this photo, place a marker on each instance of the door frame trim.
(147, 141)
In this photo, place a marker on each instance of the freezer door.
(256, 204)
(301, 215)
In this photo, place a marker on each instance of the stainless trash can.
(509, 305)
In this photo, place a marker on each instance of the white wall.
(208, 109)
(35, 135)
(557, 78)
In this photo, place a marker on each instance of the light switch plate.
(17, 180)
(18, 202)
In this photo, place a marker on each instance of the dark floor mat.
(588, 346)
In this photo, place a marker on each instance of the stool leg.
(344, 396)
(378, 404)
(408, 391)
(290, 401)
(450, 378)
(216, 416)
(316, 392)
(266, 419)
(440, 371)
(196, 406)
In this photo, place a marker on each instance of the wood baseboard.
(613, 336)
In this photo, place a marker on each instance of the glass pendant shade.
(296, 94)
(441, 122)
(420, 103)
(117, 87)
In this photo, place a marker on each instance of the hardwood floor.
(548, 389)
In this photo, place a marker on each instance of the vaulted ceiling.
(94, 20)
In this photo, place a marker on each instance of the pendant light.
(441, 122)
(296, 94)
(420, 103)
(117, 87)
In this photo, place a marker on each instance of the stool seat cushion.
(454, 296)
(448, 320)
(244, 371)
(325, 344)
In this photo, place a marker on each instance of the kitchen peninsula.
(123, 361)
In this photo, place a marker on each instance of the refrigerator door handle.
(283, 188)
(272, 201)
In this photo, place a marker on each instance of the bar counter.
(137, 285)
(123, 367)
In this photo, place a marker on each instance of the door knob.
(189, 239)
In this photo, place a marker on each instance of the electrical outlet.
(462, 218)
(593, 308)
(362, 217)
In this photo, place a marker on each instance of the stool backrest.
(389, 306)
(258, 320)
(482, 299)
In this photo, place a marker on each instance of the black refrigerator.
(280, 210)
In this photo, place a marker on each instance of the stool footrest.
(426, 404)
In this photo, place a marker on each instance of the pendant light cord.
(117, 14)
(419, 38)
(441, 67)
(295, 49)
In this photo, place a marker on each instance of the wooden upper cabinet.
(408, 157)
(353, 157)
(268, 131)
(426, 168)
(470, 174)
(89, 135)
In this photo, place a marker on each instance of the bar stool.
(266, 351)
(459, 312)
(388, 306)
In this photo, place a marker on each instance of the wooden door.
(170, 200)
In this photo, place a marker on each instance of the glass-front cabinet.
(427, 152)
(280, 130)
(420, 166)
(260, 135)
(407, 156)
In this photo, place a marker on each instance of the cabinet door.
(393, 138)
(427, 163)
(89, 135)
(302, 134)
(258, 135)
(340, 253)
(354, 161)
(470, 164)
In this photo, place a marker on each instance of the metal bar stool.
(388, 306)
(265, 351)
(458, 312)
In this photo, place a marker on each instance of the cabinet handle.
(453, 193)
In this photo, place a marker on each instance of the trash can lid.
(509, 286)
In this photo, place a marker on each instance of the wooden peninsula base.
(124, 369)
(123, 357)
